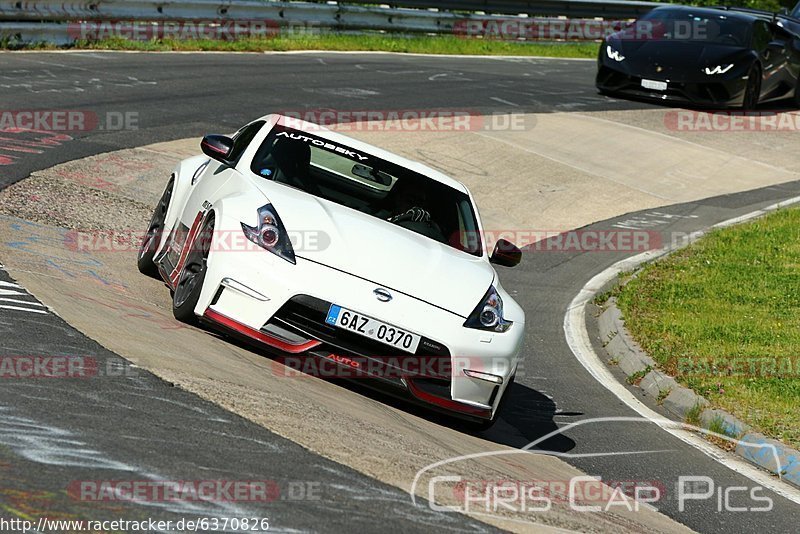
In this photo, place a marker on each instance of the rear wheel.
(190, 281)
(752, 92)
(152, 239)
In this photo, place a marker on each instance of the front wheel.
(797, 93)
(152, 239)
(752, 92)
(193, 274)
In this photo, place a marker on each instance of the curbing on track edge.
(680, 401)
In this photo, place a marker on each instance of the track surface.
(184, 95)
(556, 389)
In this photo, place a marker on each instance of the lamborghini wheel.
(797, 93)
(752, 92)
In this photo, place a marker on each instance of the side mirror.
(506, 254)
(218, 147)
(777, 45)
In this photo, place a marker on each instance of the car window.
(762, 35)
(243, 137)
(370, 185)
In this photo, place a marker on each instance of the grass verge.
(723, 316)
(344, 42)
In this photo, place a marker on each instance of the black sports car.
(704, 57)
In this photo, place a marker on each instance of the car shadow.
(527, 416)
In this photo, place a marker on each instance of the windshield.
(370, 185)
(683, 25)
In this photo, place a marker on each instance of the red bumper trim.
(261, 337)
(448, 404)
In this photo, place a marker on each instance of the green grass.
(693, 415)
(723, 316)
(370, 42)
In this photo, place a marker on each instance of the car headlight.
(614, 54)
(270, 233)
(489, 314)
(719, 69)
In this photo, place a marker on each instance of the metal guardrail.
(572, 8)
(43, 20)
(53, 9)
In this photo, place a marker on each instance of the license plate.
(654, 84)
(372, 328)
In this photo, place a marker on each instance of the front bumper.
(282, 308)
(717, 93)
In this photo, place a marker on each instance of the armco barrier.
(43, 20)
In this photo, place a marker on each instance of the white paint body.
(434, 287)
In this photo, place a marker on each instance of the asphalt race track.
(56, 432)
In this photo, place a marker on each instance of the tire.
(752, 92)
(796, 99)
(152, 239)
(190, 282)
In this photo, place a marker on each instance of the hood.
(678, 60)
(381, 252)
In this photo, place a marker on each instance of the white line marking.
(506, 102)
(578, 340)
(17, 308)
(20, 293)
(10, 284)
(38, 305)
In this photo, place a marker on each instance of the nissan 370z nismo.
(319, 247)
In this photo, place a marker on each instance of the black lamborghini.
(704, 57)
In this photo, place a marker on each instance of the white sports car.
(341, 259)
